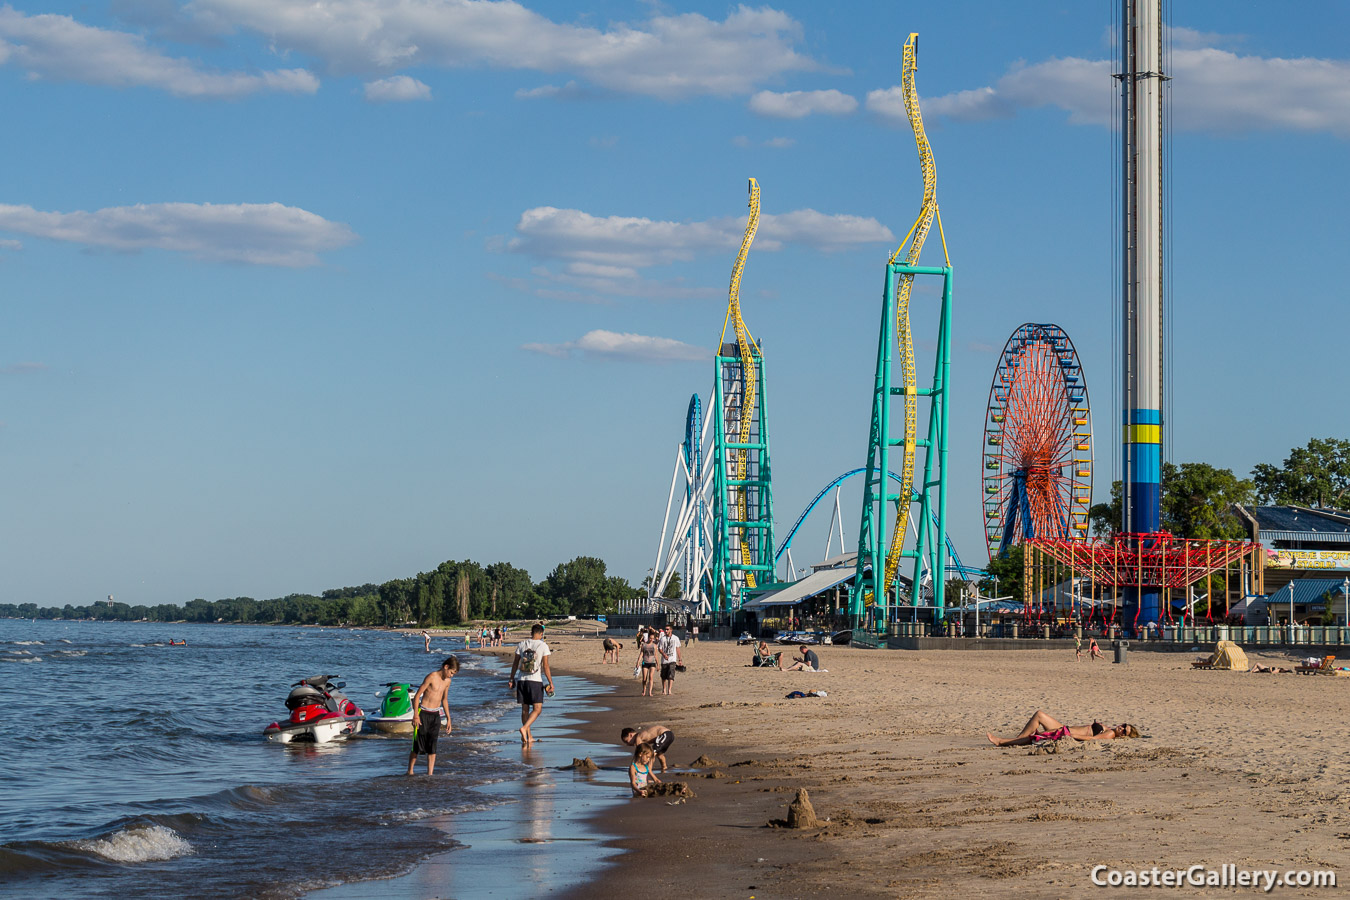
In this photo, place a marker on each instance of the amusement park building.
(1301, 543)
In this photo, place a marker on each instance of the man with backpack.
(531, 661)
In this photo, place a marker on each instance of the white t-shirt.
(670, 646)
(531, 655)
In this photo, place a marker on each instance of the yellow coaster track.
(746, 345)
(915, 239)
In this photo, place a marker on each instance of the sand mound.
(800, 814)
(583, 765)
(704, 762)
(670, 789)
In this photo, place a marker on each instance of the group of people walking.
(657, 647)
(661, 648)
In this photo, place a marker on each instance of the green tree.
(579, 587)
(1007, 569)
(1197, 502)
(513, 589)
(674, 587)
(1317, 474)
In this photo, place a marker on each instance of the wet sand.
(1251, 770)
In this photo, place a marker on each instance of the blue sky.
(305, 294)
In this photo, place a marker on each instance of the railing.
(1256, 635)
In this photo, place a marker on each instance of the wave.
(64, 641)
(70, 653)
(27, 643)
(418, 814)
(20, 659)
(136, 844)
(491, 712)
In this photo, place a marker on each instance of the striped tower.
(1141, 84)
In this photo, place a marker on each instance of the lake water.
(136, 768)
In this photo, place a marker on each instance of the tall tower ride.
(1141, 86)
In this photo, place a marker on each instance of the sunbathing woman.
(1042, 727)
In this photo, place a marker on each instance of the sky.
(297, 294)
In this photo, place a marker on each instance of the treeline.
(452, 593)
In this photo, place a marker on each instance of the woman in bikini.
(1043, 727)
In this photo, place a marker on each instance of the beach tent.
(1228, 655)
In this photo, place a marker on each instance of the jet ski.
(396, 712)
(320, 713)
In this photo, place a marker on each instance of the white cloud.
(822, 231)
(581, 282)
(397, 89)
(551, 92)
(665, 56)
(58, 48)
(633, 242)
(613, 345)
(799, 104)
(780, 143)
(6, 244)
(257, 233)
(1212, 90)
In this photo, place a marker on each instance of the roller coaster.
(687, 552)
(743, 494)
(955, 567)
(878, 565)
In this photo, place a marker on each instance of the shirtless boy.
(659, 736)
(430, 699)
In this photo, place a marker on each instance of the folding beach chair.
(1327, 665)
(767, 661)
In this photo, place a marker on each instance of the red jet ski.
(320, 713)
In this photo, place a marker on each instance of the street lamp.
(1345, 597)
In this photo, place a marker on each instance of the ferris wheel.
(1038, 442)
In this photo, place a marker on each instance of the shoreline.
(517, 836)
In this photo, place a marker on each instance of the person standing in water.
(427, 639)
(430, 699)
(531, 661)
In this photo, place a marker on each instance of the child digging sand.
(658, 736)
(640, 774)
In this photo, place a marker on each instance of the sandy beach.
(1232, 768)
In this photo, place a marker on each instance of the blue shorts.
(530, 693)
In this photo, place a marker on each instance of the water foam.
(20, 659)
(136, 844)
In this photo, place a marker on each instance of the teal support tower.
(743, 518)
(872, 590)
